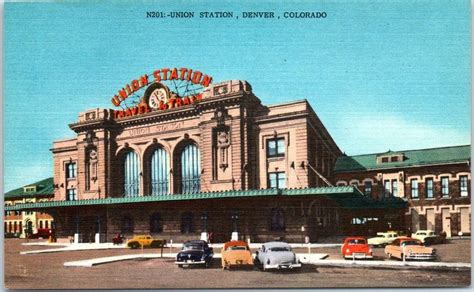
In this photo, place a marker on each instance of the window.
(131, 175)
(429, 188)
(71, 195)
(126, 225)
(368, 188)
(187, 223)
(190, 169)
(445, 186)
(276, 180)
(41, 224)
(384, 159)
(463, 185)
(71, 170)
(276, 147)
(394, 158)
(394, 187)
(46, 224)
(159, 172)
(414, 189)
(278, 220)
(155, 223)
(386, 185)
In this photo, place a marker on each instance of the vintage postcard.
(237, 144)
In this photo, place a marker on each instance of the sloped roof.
(43, 188)
(346, 196)
(420, 157)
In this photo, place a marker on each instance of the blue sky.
(380, 74)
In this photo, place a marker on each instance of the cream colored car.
(427, 237)
(382, 238)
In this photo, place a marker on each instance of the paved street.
(46, 271)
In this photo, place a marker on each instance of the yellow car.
(236, 253)
(383, 238)
(144, 241)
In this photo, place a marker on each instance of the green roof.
(421, 157)
(43, 187)
(346, 196)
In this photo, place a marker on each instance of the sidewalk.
(304, 258)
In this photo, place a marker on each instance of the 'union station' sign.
(187, 89)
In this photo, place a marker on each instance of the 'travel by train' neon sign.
(184, 88)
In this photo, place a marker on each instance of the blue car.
(195, 252)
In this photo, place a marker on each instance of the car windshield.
(237, 247)
(380, 235)
(410, 242)
(280, 248)
(356, 241)
(192, 246)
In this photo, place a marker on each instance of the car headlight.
(348, 250)
(433, 251)
(370, 250)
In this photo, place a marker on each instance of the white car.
(427, 237)
(277, 255)
(383, 238)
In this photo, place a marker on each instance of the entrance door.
(415, 221)
(465, 222)
(430, 219)
(446, 222)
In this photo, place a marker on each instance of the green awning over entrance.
(346, 196)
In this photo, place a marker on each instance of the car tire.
(180, 266)
(389, 256)
(134, 245)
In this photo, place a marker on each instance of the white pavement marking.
(364, 263)
(75, 247)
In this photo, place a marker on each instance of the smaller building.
(435, 182)
(17, 222)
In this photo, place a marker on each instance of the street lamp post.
(235, 217)
(204, 235)
(204, 221)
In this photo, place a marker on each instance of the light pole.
(235, 218)
(204, 221)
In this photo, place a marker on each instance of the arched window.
(159, 172)
(14, 227)
(278, 220)
(41, 224)
(131, 175)
(126, 224)
(187, 223)
(155, 223)
(10, 227)
(190, 169)
(46, 224)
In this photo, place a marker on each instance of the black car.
(195, 252)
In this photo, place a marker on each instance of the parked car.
(277, 255)
(236, 253)
(383, 238)
(42, 233)
(412, 248)
(145, 241)
(195, 252)
(118, 239)
(428, 237)
(357, 248)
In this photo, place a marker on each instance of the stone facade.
(449, 213)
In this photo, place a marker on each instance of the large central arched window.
(131, 175)
(190, 169)
(159, 172)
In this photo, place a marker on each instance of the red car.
(356, 248)
(42, 233)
